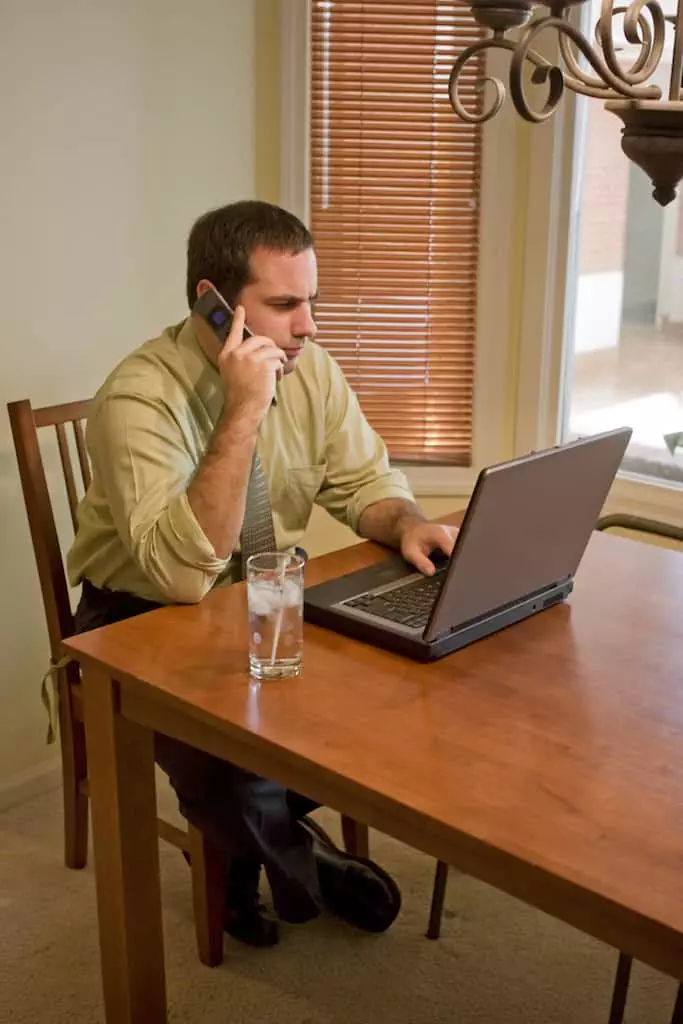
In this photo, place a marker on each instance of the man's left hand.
(420, 539)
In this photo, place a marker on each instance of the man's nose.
(304, 325)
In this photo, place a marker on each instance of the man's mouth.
(292, 353)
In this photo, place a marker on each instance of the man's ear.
(203, 286)
(205, 336)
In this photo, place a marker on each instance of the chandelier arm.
(650, 39)
(645, 42)
(651, 50)
(595, 86)
(579, 83)
(554, 76)
(676, 86)
(579, 80)
(495, 42)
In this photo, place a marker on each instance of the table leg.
(124, 817)
(356, 837)
(621, 983)
(677, 1017)
(438, 897)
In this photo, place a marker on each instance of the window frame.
(494, 362)
(546, 297)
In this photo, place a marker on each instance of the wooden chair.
(207, 865)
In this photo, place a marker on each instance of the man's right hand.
(249, 369)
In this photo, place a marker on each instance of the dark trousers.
(254, 820)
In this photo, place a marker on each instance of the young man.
(171, 437)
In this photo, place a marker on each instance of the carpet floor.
(498, 961)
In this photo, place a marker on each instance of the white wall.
(120, 123)
(670, 297)
(597, 317)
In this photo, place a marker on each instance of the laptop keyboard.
(409, 604)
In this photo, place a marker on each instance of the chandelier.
(652, 136)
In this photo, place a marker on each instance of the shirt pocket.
(297, 495)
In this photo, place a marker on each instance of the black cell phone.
(215, 311)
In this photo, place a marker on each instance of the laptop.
(523, 536)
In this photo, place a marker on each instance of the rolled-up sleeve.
(146, 466)
(358, 471)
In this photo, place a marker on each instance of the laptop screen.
(526, 527)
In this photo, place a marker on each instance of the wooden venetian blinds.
(394, 208)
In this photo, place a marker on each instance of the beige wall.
(267, 100)
(120, 123)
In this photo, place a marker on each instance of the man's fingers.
(425, 565)
(268, 354)
(258, 344)
(236, 335)
(417, 549)
(414, 554)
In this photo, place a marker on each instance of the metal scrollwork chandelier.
(652, 136)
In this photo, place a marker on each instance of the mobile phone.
(215, 311)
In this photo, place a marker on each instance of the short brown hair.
(222, 241)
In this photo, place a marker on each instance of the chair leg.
(356, 837)
(208, 896)
(74, 775)
(438, 897)
(677, 1017)
(621, 983)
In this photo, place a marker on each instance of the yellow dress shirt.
(148, 429)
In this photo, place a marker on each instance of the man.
(171, 436)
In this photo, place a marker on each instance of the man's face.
(278, 300)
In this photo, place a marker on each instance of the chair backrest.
(25, 423)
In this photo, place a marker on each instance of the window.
(394, 196)
(626, 348)
(601, 268)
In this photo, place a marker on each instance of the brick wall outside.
(602, 231)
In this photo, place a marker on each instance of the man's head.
(259, 256)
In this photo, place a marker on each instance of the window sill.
(439, 481)
(630, 492)
(641, 495)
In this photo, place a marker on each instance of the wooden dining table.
(546, 760)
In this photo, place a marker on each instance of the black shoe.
(354, 888)
(253, 926)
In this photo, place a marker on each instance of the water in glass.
(275, 596)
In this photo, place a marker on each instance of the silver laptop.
(522, 538)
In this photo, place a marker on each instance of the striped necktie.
(258, 534)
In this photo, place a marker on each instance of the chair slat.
(175, 836)
(79, 435)
(51, 415)
(65, 456)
